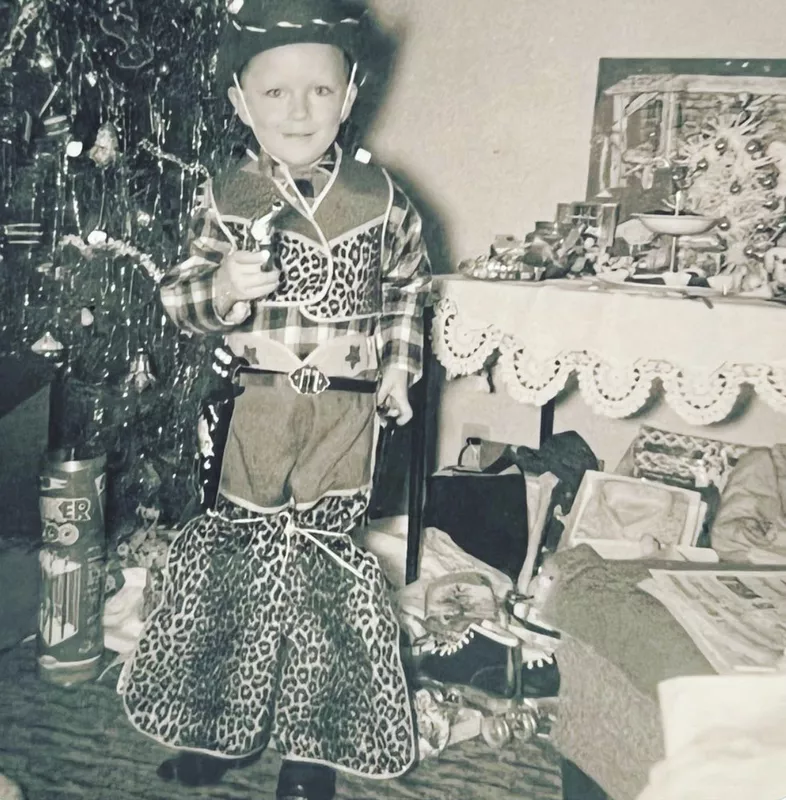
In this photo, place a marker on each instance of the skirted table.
(621, 347)
(616, 342)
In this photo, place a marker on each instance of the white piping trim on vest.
(331, 180)
(391, 186)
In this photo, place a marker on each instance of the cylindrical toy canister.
(73, 554)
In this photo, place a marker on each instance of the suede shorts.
(286, 448)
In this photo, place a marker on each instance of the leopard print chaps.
(264, 635)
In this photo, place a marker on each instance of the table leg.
(547, 421)
(421, 392)
(578, 786)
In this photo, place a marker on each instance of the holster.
(214, 420)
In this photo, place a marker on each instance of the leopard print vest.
(331, 258)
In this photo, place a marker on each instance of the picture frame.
(644, 107)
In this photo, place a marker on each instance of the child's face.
(295, 100)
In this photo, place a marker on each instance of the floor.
(62, 744)
(75, 743)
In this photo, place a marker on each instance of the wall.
(488, 118)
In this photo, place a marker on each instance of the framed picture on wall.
(646, 109)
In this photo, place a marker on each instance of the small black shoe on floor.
(302, 781)
(194, 769)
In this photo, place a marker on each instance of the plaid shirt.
(187, 290)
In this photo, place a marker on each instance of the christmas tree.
(109, 123)
(736, 179)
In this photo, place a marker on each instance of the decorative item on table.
(508, 259)
(707, 138)
(569, 246)
(72, 559)
(737, 161)
(600, 217)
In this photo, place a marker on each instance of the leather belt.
(308, 380)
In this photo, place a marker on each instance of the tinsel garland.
(117, 249)
(96, 204)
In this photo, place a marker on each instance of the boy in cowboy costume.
(274, 624)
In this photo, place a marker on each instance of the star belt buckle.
(308, 380)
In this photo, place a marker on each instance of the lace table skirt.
(617, 344)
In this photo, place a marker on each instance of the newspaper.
(737, 619)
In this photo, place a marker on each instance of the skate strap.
(315, 537)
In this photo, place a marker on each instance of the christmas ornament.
(86, 318)
(104, 151)
(754, 146)
(48, 346)
(57, 128)
(164, 70)
(768, 181)
(122, 26)
(141, 375)
(97, 237)
(751, 252)
(736, 187)
(702, 165)
(44, 59)
(16, 127)
(721, 146)
(74, 149)
(772, 204)
(23, 233)
(724, 224)
(99, 241)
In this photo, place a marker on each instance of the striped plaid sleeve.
(406, 281)
(187, 289)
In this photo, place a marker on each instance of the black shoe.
(302, 781)
(194, 769)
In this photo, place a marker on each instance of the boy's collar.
(266, 165)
